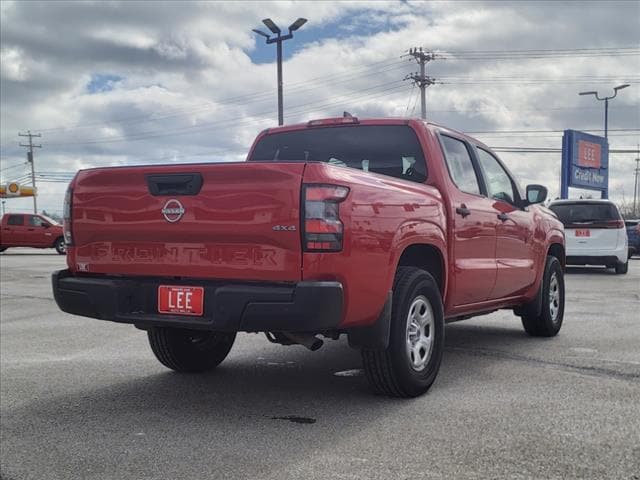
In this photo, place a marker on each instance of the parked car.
(29, 230)
(379, 229)
(595, 233)
(633, 236)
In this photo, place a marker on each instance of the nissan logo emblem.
(172, 211)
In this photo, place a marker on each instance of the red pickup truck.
(379, 229)
(27, 230)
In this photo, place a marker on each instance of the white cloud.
(191, 87)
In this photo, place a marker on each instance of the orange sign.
(589, 154)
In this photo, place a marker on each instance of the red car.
(28, 230)
(382, 230)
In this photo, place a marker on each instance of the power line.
(233, 122)
(379, 66)
(296, 87)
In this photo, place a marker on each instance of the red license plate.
(181, 300)
(583, 233)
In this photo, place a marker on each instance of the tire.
(548, 321)
(60, 246)
(408, 367)
(622, 268)
(190, 351)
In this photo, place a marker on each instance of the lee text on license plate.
(181, 300)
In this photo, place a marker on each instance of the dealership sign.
(585, 163)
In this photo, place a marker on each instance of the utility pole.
(635, 184)
(421, 79)
(31, 146)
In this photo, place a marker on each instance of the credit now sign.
(585, 163)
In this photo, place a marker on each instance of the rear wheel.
(190, 350)
(60, 246)
(622, 268)
(409, 365)
(547, 322)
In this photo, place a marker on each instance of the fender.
(410, 232)
(416, 232)
(554, 237)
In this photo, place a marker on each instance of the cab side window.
(15, 220)
(499, 184)
(460, 165)
(35, 221)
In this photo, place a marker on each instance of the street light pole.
(606, 104)
(280, 99)
(278, 39)
(635, 185)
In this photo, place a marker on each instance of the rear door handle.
(463, 211)
(503, 216)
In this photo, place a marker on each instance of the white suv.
(594, 233)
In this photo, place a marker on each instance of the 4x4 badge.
(172, 211)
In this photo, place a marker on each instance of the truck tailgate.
(243, 223)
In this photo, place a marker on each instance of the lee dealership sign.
(585, 163)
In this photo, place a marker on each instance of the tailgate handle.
(174, 184)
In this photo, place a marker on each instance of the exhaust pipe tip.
(312, 342)
(316, 344)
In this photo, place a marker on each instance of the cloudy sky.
(115, 83)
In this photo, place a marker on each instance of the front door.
(473, 223)
(514, 232)
(36, 232)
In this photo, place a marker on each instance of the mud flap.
(375, 336)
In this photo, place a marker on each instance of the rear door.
(227, 221)
(14, 230)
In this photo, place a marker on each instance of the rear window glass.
(391, 150)
(15, 220)
(569, 213)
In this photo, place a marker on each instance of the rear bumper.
(581, 256)
(607, 260)
(250, 307)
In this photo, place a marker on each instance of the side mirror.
(535, 194)
(46, 225)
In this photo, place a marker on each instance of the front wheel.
(190, 350)
(409, 365)
(60, 246)
(547, 322)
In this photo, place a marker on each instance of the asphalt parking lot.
(85, 399)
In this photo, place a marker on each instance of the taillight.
(614, 224)
(322, 229)
(66, 217)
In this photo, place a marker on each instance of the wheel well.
(557, 250)
(426, 257)
(55, 240)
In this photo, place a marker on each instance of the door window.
(499, 184)
(460, 165)
(15, 220)
(36, 221)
